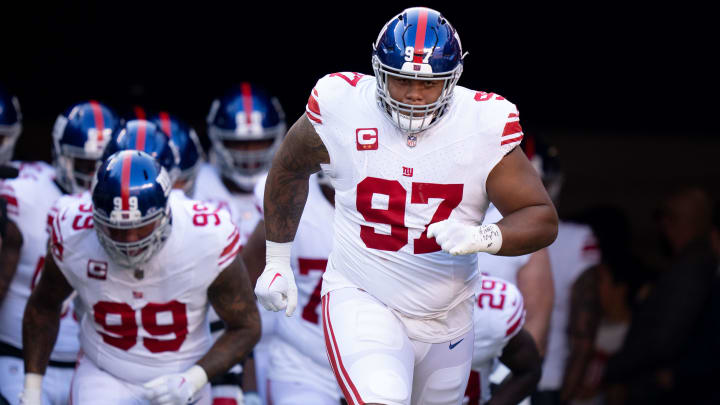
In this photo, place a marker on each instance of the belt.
(7, 350)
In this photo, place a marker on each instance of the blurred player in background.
(574, 250)
(10, 130)
(532, 275)
(500, 337)
(79, 137)
(188, 147)
(299, 371)
(147, 269)
(245, 127)
(414, 161)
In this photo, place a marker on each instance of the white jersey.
(503, 267)
(390, 186)
(499, 316)
(242, 206)
(573, 251)
(298, 354)
(142, 323)
(29, 198)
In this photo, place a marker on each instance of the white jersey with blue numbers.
(139, 324)
(390, 186)
(29, 198)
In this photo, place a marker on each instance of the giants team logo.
(367, 138)
(97, 269)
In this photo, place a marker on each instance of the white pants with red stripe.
(92, 385)
(374, 360)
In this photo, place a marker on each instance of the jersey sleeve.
(68, 221)
(225, 241)
(512, 133)
(326, 102)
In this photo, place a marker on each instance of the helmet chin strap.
(414, 124)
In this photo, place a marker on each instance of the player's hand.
(175, 389)
(276, 289)
(457, 238)
(32, 390)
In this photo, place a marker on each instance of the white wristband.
(490, 238)
(278, 253)
(197, 377)
(33, 381)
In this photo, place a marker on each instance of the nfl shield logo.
(411, 141)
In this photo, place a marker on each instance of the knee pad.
(385, 378)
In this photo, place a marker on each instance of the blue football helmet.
(80, 135)
(146, 136)
(10, 125)
(188, 146)
(131, 212)
(245, 127)
(418, 44)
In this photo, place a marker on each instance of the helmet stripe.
(420, 36)
(247, 100)
(139, 112)
(140, 140)
(98, 117)
(165, 123)
(125, 181)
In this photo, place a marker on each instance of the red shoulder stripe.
(313, 105)
(318, 120)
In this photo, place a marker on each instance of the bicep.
(302, 150)
(53, 288)
(514, 184)
(232, 297)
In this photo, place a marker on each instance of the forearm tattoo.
(286, 188)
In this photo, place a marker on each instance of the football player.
(10, 129)
(574, 250)
(79, 137)
(146, 268)
(299, 372)
(532, 275)
(245, 127)
(146, 136)
(188, 146)
(500, 336)
(414, 161)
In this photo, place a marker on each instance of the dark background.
(626, 91)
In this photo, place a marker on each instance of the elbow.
(550, 229)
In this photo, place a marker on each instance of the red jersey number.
(122, 332)
(394, 214)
